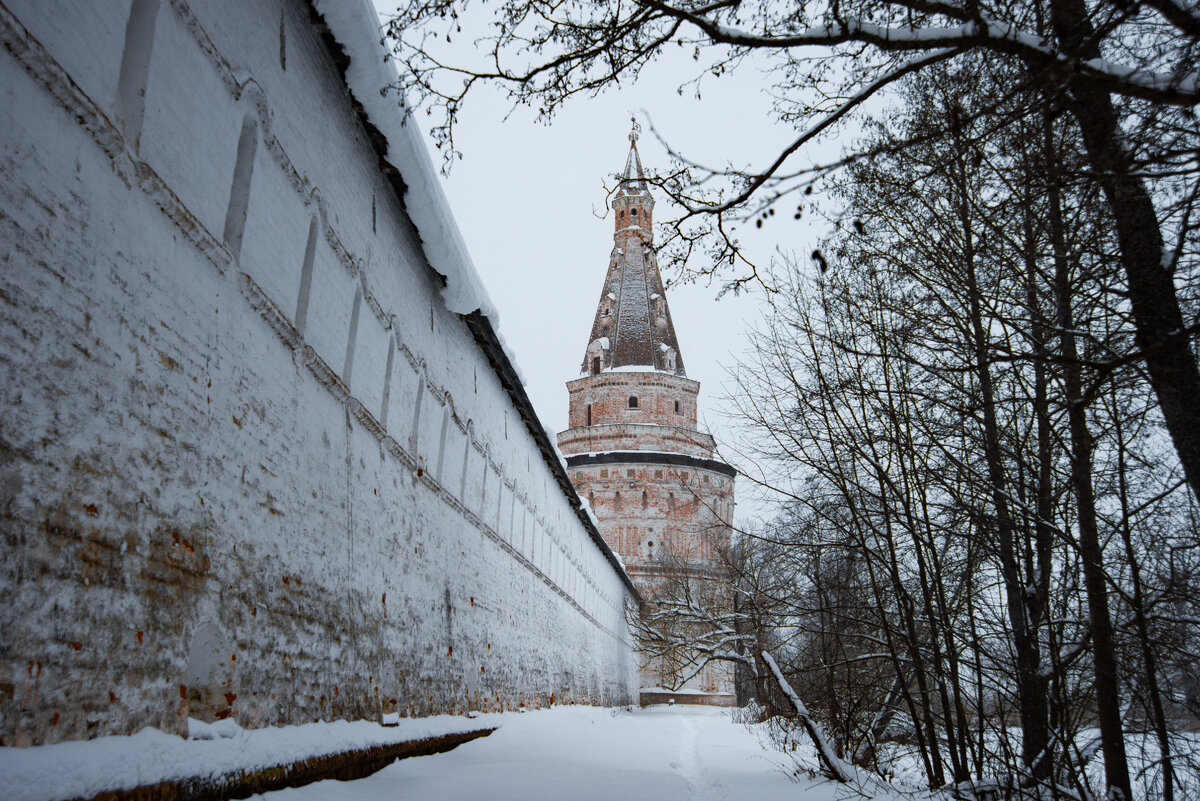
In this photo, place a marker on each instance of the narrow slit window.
(595, 365)
(678, 408)
(589, 414)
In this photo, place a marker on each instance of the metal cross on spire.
(634, 131)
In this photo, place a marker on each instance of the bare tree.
(924, 398)
(1125, 73)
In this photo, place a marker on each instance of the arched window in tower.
(617, 501)
(595, 365)
(633, 402)
(633, 212)
(678, 408)
(671, 502)
(621, 214)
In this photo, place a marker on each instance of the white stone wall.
(249, 463)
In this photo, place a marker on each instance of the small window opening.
(645, 499)
(633, 403)
(678, 409)
(617, 500)
(633, 212)
(595, 365)
(629, 474)
(589, 414)
(621, 214)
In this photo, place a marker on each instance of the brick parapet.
(635, 437)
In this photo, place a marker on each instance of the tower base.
(660, 695)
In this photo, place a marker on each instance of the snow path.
(701, 785)
(580, 753)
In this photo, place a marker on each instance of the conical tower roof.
(633, 178)
(633, 328)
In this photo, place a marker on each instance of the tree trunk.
(1172, 368)
(1149, 661)
(1108, 693)
(1034, 735)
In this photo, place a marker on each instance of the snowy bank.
(214, 754)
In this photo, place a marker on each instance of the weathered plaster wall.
(249, 463)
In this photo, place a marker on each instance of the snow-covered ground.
(661, 753)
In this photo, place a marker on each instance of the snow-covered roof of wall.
(371, 77)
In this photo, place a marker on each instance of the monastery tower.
(634, 451)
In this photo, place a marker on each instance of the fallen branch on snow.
(834, 766)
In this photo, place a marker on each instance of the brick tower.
(634, 452)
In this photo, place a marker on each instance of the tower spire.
(633, 325)
(633, 178)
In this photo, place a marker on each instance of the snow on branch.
(977, 31)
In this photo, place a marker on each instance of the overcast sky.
(528, 199)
